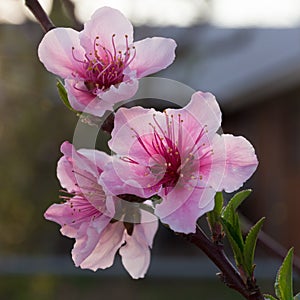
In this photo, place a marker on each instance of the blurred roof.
(233, 63)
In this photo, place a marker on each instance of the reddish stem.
(39, 13)
(229, 274)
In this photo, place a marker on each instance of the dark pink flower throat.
(172, 154)
(104, 67)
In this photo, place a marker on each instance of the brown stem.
(229, 274)
(39, 13)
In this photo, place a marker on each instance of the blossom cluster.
(165, 166)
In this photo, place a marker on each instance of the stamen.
(103, 67)
(128, 159)
(75, 58)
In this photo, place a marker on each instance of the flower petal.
(148, 227)
(124, 138)
(66, 175)
(189, 205)
(232, 167)
(105, 22)
(88, 238)
(152, 55)
(78, 162)
(82, 100)
(122, 91)
(136, 253)
(63, 215)
(103, 254)
(98, 158)
(201, 113)
(55, 52)
(117, 180)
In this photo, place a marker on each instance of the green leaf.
(235, 241)
(64, 96)
(214, 215)
(250, 244)
(234, 203)
(237, 225)
(269, 297)
(284, 280)
(297, 297)
(219, 201)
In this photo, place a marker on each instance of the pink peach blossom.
(179, 156)
(101, 65)
(87, 216)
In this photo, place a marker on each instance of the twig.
(229, 274)
(39, 13)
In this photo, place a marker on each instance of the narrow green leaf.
(63, 95)
(219, 202)
(214, 215)
(236, 243)
(250, 244)
(284, 280)
(234, 203)
(297, 297)
(237, 225)
(269, 297)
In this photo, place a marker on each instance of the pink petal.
(136, 253)
(202, 112)
(124, 138)
(189, 205)
(232, 167)
(116, 93)
(61, 214)
(118, 180)
(152, 55)
(55, 52)
(78, 95)
(108, 244)
(98, 158)
(148, 227)
(80, 173)
(82, 100)
(75, 172)
(79, 161)
(88, 238)
(104, 23)
(85, 101)
(65, 175)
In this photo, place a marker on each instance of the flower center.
(82, 209)
(173, 153)
(104, 67)
(164, 152)
(88, 202)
